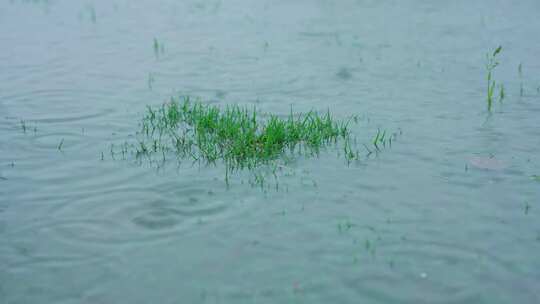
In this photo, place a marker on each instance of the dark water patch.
(344, 74)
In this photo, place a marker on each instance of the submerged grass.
(520, 73)
(242, 137)
(159, 47)
(25, 127)
(60, 145)
(151, 81)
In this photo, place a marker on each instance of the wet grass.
(491, 64)
(159, 47)
(381, 140)
(151, 81)
(240, 137)
(25, 127)
(60, 145)
(520, 73)
(243, 138)
(185, 130)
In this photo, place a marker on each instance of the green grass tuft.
(239, 136)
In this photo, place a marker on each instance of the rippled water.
(449, 214)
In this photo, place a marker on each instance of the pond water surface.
(448, 214)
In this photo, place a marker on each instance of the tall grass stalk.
(491, 64)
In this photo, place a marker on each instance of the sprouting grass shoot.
(491, 64)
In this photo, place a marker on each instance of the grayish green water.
(449, 214)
